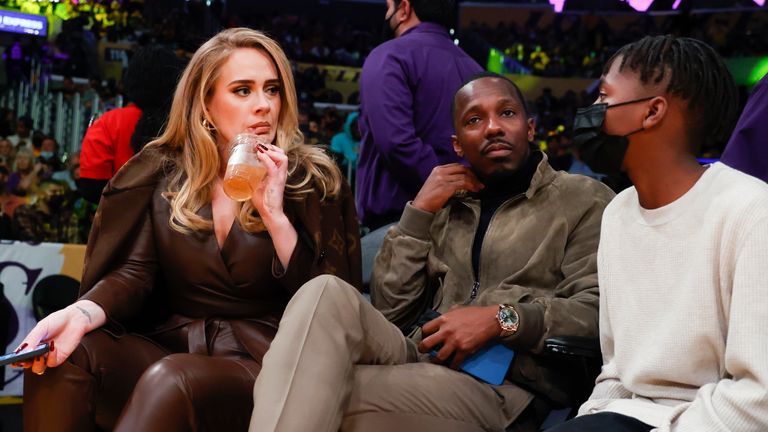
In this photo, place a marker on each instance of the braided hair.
(696, 74)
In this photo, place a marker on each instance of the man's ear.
(655, 112)
(531, 129)
(406, 8)
(456, 146)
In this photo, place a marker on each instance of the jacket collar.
(426, 27)
(543, 176)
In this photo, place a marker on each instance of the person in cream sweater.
(682, 254)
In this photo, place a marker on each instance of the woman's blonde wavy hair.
(192, 158)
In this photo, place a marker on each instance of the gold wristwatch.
(508, 318)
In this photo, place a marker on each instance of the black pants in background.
(600, 422)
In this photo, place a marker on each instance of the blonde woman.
(186, 286)
(25, 176)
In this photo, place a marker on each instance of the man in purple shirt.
(747, 150)
(406, 88)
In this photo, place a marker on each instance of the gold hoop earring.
(208, 126)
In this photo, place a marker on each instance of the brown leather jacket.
(328, 243)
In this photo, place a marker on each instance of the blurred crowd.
(568, 45)
(314, 39)
(39, 199)
(31, 165)
(578, 45)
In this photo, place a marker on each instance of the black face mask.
(387, 32)
(603, 153)
(55, 202)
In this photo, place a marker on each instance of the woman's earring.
(208, 125)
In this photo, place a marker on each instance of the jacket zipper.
(476, 282)
(473, 294)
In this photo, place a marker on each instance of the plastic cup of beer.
(244, 170)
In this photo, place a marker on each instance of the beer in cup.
(244, 170)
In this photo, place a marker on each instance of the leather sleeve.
(299, 268)
(354, 259)
(340, 253)
(123, 291)
(328, 244)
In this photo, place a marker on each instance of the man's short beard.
(499, 177)
(502, 176)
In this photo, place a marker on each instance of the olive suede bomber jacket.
(539, 255)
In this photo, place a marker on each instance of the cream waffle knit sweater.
(684, 307)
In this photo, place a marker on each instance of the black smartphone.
(24, 355)
(427, 316)
(574, 346)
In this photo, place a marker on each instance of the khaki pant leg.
(425, 397)
(327, 328)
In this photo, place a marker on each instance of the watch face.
(508, 316)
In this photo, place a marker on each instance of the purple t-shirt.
(406, 89)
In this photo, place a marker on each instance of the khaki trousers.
(338, 364)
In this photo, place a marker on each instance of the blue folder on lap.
(489, 364)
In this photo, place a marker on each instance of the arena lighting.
(559, 4)
(676, 4)
(642, 5)
(760, 2)
(759, 71)
(17, 22)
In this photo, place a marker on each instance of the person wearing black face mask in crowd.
(682, 253)
(405, 120)
(50, 218)
(601, 152)
(405, 97)
(49, 157)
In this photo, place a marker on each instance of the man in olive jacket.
(504, 249)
